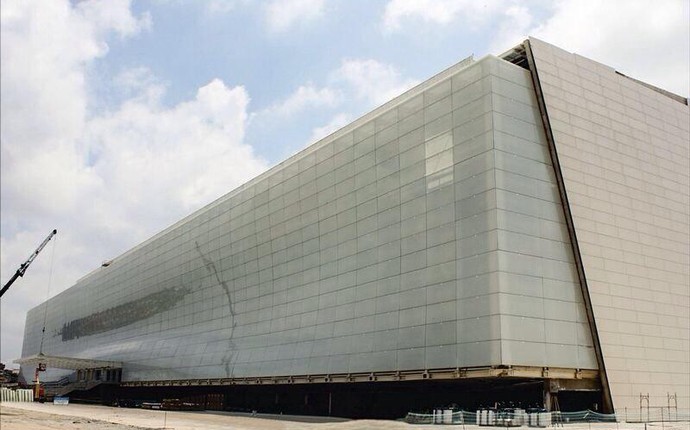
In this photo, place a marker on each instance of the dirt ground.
(16, 416)
(15, 419)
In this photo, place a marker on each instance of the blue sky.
(119, 117)
(191, 43)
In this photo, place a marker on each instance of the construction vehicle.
(25, 265)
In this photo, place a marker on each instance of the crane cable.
(45, 307)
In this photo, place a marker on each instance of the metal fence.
(654, 414)
(10, 395)
(520, 417)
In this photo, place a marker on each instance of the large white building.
(514, 222)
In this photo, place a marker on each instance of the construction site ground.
(15, 416)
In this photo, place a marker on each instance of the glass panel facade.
(427, 234)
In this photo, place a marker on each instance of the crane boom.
(25, 265)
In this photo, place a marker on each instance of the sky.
(120, 117)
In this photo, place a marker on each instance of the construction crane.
(25, 265)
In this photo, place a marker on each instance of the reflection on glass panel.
(439, 179)
(438, 144)
(439, 161)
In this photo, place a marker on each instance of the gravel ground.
(14, 416)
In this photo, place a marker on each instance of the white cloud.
(372, 80)
(306, 96)
(438, 12)
(354, 87)
(283, 15)
(625, 35)
(105, 181)
(46, 48)
(513, 26)
(210, 7)
(109, 15)
(337, 122)
(355, 81)
(139, 82)
(220, 6)
(186, 155)
(351, 89)
(602, 31)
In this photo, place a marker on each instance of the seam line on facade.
(495, 205)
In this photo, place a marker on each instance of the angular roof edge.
(669, 94)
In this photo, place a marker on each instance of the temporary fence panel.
(20, 395)
(519, 417)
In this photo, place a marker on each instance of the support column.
(547, 399)
(551, 388)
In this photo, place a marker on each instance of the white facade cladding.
(430, 234)
(427, 235)
(623, 151)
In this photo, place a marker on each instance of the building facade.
(624, 160)
(521, 217)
